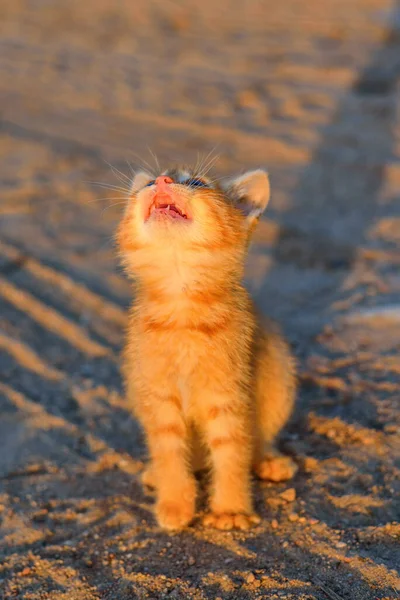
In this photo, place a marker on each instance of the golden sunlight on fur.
(210, 386)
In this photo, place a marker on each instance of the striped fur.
(211, 388)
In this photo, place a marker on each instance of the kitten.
(209, 385)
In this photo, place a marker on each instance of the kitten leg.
(275, 397)
(226, 432)
(167, 439)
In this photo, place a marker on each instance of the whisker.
(197, 163)
(139, 164)
(200, 162)
(132, 170)
(111, 206)
(143, 164)
(109, 186)
(118, 174)
(153, 154)
(209, 165)
(206, 158)
(205, 170)
(102, 199)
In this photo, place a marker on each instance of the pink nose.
(162, 183)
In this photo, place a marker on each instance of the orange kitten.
(210, 387)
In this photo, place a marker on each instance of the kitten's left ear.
(250, 193)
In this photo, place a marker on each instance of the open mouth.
(169, 210)
(165, 208)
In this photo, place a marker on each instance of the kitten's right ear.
(140, 180)
(250, 192)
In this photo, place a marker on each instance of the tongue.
(171, 211)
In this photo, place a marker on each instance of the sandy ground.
(308, 89)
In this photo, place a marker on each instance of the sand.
(309, 90)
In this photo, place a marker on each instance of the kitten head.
(182, 212)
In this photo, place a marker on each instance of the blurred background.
(308, 90)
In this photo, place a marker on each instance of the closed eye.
(150, 183)
(195, 183)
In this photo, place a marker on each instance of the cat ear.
(140, 180)
(250, 193)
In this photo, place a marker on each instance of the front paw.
(230, 520)
(174, 515)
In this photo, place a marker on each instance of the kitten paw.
(174, 516)
(230, 521)
(276, 468)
